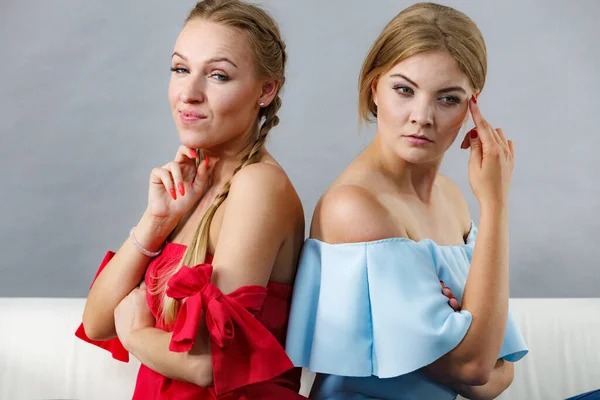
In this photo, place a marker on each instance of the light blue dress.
(367, 316)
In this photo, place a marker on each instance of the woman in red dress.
(217, 246)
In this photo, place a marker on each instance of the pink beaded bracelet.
(140, 247)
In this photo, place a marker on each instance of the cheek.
(392, 109)
(233, 102)
(450, 121)
(454, 118)
(173, 93)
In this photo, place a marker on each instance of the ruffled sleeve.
(376, 308)
(113, 346)
(243, 351)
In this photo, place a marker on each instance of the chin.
(191, 138)
(418, 156)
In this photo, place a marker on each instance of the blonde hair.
(421, 28)
(264, 38)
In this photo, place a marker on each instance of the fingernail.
(193, 153)
(181, 188)
(442, 282)
(173, 194)
(473, 134)
(206, 161)
(474, 99)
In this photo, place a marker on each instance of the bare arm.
(165, 208)
(502, 375)
(500, 379)
(151, 346)
(486, 298)
(120, 276)
(487, 288)
(262, 210)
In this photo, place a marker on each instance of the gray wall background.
(84, 117)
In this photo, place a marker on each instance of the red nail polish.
(193, 154)
(181, 188)
(173, 194)
(474, 99)
(206, 162)
(473, 134)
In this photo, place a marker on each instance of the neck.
(406, 177)
(230, 155)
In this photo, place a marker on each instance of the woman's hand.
(177, 186)
(452, 301)
(491, 162)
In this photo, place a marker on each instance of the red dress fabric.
(247, 330)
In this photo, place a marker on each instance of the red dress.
(247, 331)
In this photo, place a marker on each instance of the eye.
(404, 90)
(450, 100)
(219, 77)
(179, 70)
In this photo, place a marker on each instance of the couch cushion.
(37, 342)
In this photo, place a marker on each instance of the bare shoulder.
(265, 181)
(349, 213)
(265, 185)
(456, 199)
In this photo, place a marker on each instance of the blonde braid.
(198, 250)
(264, 38)
(253, 156)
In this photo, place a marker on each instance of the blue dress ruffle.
(363, 313)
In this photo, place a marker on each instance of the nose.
(193, 90)
(422, 112)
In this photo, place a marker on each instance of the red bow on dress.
(243, 350)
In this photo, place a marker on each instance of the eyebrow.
(444, 90)
(212, 60)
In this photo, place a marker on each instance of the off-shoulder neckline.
(399, 240)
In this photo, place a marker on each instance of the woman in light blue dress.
(367, 314)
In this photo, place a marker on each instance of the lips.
(192, 114)
(419, 137)
(190, 117)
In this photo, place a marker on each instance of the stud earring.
(262, 104)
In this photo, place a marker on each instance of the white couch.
(40, 358)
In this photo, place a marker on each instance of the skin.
(257, 233)
(393, 189)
